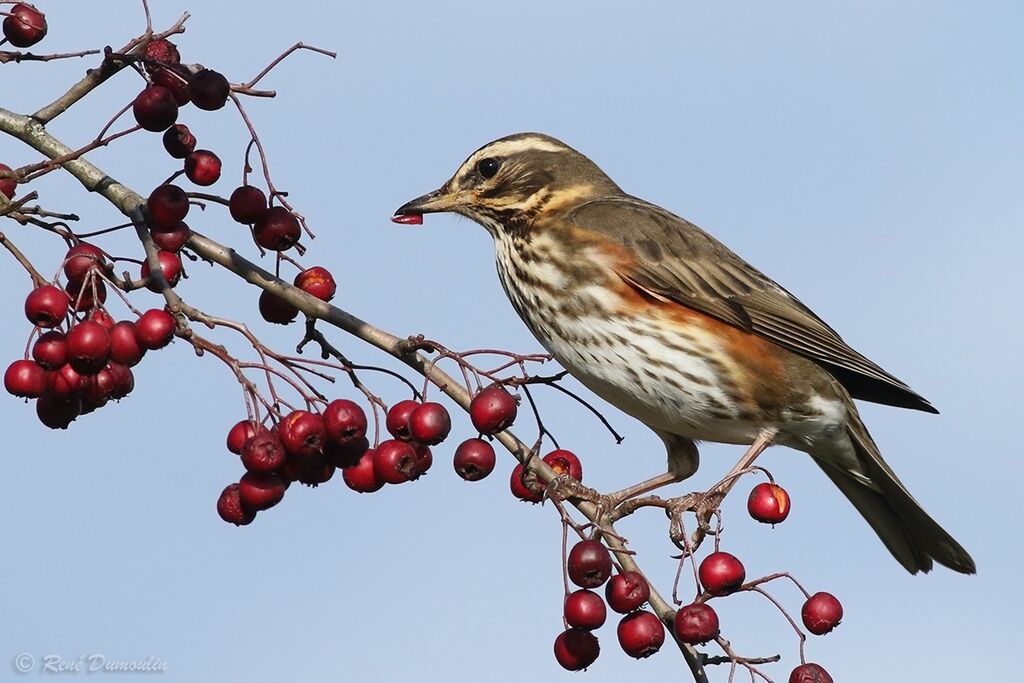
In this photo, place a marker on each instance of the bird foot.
(705, 505)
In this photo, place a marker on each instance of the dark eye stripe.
(488, 167)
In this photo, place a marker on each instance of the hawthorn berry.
(263, 452)
(155, 108)
(696, 623)
(161, 51)
(241, 432)
(46, 306)
(124, 344)
(721, 573)
(424, 459)
(155, 329)
(429, 423)
(8, 183)
(493, 410)
(474, 459)
(231, 509)
(344, 421)
(170, 266)
(24, 26)
(565, 462)
(86, 295)
(584, 609)
(202, 167)
(98, 315)
(179, 141)
(65, 382)
(625, 592)
(317, 281)
(80, 259)
(168, 206)
(362, 477)
(171, 239)
(768, 503)
(277, 229)
(342, 455)
(58, 413)
(589, 564)
(51, 350)
(25, 378)
(208, 89)
(274, 309)
(259, 491)
(524, 486)
(397, 419)
(809, 673)
(641, 634)
(247, 204)
(174, 80)
(88, 347)
(821, 613)
(576, 649)
(394, 462)
(302, 433)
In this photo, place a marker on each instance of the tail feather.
(910, 534)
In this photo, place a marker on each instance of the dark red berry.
(8, 183)
(317, 471)
(344, 421)
(362, 476)
(277, 229)
(576, 649)
(474, 459)
(424, 459)
(124, 344)
(565, 462)
(170, 266)
(179, 141)
(395, 461)
(155, 329)
(46, 306)
(88, 347)
(696, 623)
(175, 80)
(347, 454)
(98, 315)
(65, 382)
(208, 89)
(768, 503)
(525, 486)
(585, 609)
(240, 433)
(171, 239)
(809, 673)
(168, 206)
(821, 613)
(302, 433)
(88, 295)
(25, 26)
(80, 259)
(155, 108)
(625, 592)
(590, 564)
(202, 167)
(122, 380)
(161, 51)
(429, 423)
(231, 509)
(317, 281)
(641, 634)
(493, 410)
(51, 350)
(25, 378)
(274, 309)
(263, 452)
(721, 573)
(247, 204)
(58, 413)
(397, 421)
(261, 491)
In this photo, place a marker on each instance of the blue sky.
(867, 156)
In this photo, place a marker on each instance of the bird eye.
(488, 167)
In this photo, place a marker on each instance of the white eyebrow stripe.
(509, 147)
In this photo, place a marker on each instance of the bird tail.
(910, 534)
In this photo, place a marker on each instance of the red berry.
(175, 81)
(247, 204)
(493, 410)
(317, 281)
(809, 673)
(202, 167)
(590, 564)
(122, 380)
(231, 509)
(240, 433)
(85, 296)
(302, 433)
(25, 378)
(821, 613)
(80, 259)
(46, 306)
(641, 634)
(362, 476)
(424, 459)
(88, 347)
(170, 266)
(155, 108)
(124, 344)
(584, 609)
(429, 423)
(474, 459)
(696, 623)
(58, 413)
(161, 51)
(625, 592)
(317, 470)
(565, 462)
(408, 219)
(168, 206)
(208, 89)
(155, 329)
(344, 421)
(274, 309)
(261, 491)
(768, 503)
(51, 350)
(343, 455)
(98, 315)
(525, 486)
(277, 229)
(25, 26)
(397, 420)
(576, 649)
(179, 141)
(721, 573)
(171, 239)
(65, 382)
(263, 452)
(8, 183)
(395, 462)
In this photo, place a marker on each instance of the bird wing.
(677, 261)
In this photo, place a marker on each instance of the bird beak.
(432, 202)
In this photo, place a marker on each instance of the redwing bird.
(663, 321)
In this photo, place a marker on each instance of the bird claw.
(704, 505)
